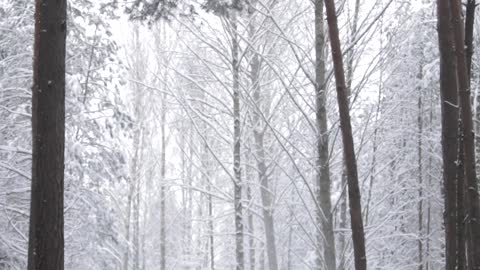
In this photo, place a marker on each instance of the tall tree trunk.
(358, 234)
(343, 222)
(469, 27)
(420, 171)
(324, 217)
(46, 236)
(449, 104)
(468, 134)
(461, 202)
(261, 259)
(266, 195)
(258, 134)
(251, 231)
(210, 229)
(429, 207)
(237, 197)
(210, 256)
(187, 176)
(127, 225)
(136, 227)
(145, 215)
(133, 198)
(163, 236)
(344, 201)
(461, 255)
(210, 243)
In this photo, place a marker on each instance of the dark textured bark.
(344, 201)
(461, 256)
(461, 202)
(342, 241)
(46, 236)
(469, 23)
(358, 235)
(324, 217)
(468, 134)
(449, 104)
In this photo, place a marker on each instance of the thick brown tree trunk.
(473, 207)
(461, 246)
(469, 27)
(344, 201)
(46, 236)
(324, 217)
(449, 104)
(461, 202)
(358, 234)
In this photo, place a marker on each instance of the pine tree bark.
(468, 133)
(46, 235)
(358, 234)
(449, 104)
(324, 217)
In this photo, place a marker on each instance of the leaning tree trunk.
(449, 104)
(343, 205)
(46, 236)
(324, 217)
(468, 135)
(358, 235)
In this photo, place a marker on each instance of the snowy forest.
(239, 134)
